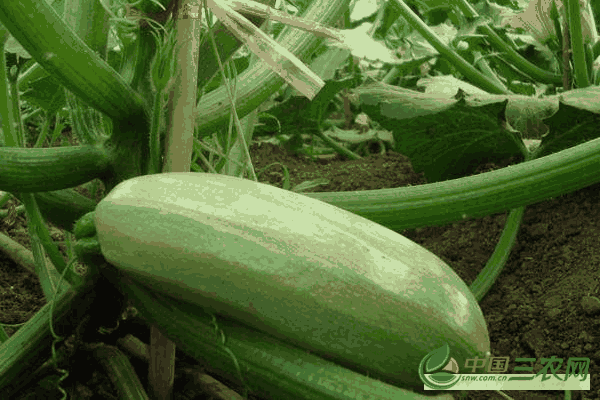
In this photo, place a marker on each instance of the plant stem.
(27, 170)
(475, 196)
(183, 94)
(60, 51)
(9, 136)
(580, 70)
(470, 73)
(488, 275)
(182, 102)
(161, 373)
(510, 54)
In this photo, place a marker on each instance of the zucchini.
(85, 226)
(306, 272)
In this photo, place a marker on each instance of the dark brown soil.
(534, 310)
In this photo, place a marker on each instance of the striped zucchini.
(304, 271)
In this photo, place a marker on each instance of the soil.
(544, 303)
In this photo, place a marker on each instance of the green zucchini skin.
(309, 273)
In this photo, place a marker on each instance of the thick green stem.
(258, 82)
(54, 45)
(475, 196)
(120, 371)
(577, 45)
(30, 346)
(46, 169)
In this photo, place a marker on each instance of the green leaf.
(318, 106)
(445, 138)
(568, 128)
